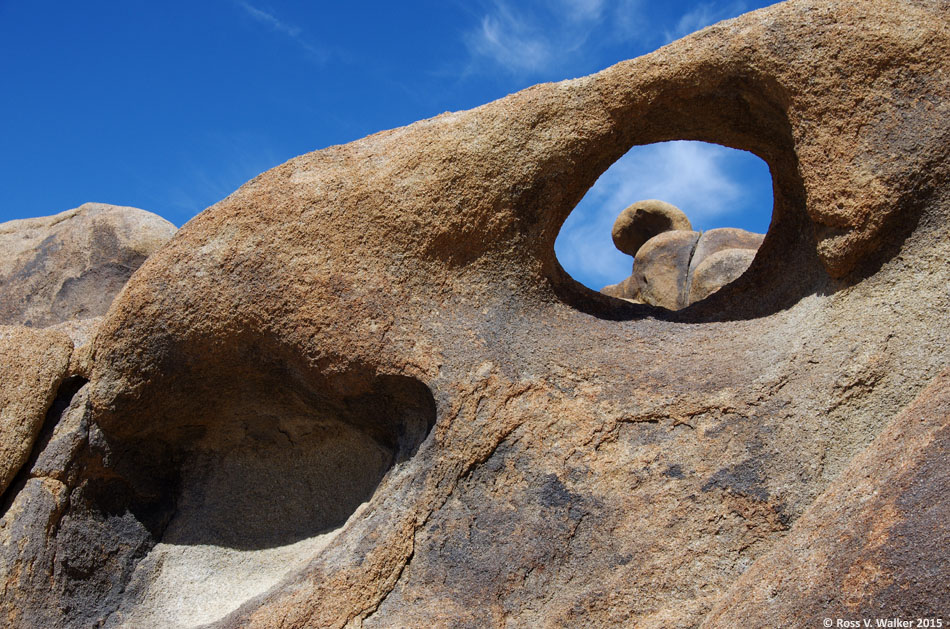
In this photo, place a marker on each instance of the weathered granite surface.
(365, 376)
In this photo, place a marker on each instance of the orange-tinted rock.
(33, 363)
(627, 289)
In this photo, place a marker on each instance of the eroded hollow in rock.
(711, 188)
(254, 492)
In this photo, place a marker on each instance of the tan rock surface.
(717, 270)
(715, 240)
(661, 266)
(876, 544)
(81, 332)
(525, 452)
(677, 268)
(71, 265)
(33, 363)
(627, 289)
(643, 220)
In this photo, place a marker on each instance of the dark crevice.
(64, 396)
(684, 292)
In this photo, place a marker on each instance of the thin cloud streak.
(539, 37)
(266, 18)
(510, 40)
(293, 32)
(534, 37)
(582, 10)
(705, 14)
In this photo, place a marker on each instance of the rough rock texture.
(661, 266)
(717, 270)
(66, 529)
(875, 544)
(537, 453)
(33, 363)
(643, 220)
(71, 265)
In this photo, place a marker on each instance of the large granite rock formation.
(661, 266)
(70, 266)
(360, 391)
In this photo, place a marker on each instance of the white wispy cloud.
(536, 36)
(703, 15)
(292, 31)
(583, 9)
(268, 19)
(628, 22)
(690, 175)
(510, 40)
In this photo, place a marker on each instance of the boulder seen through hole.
(722, 195)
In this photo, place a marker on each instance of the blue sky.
(169, 106)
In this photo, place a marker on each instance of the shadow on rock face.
(277, 466)
(284, 475)
(190, 523)
(263, 490)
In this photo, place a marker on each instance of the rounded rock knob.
(645, 219)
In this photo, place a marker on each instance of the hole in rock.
(713, 186)
(261, 487)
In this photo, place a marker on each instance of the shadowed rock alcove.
(261, 489)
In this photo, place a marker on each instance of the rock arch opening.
(669, 223)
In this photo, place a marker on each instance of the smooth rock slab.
(716, 271)
(33, 363)
(715, 240)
